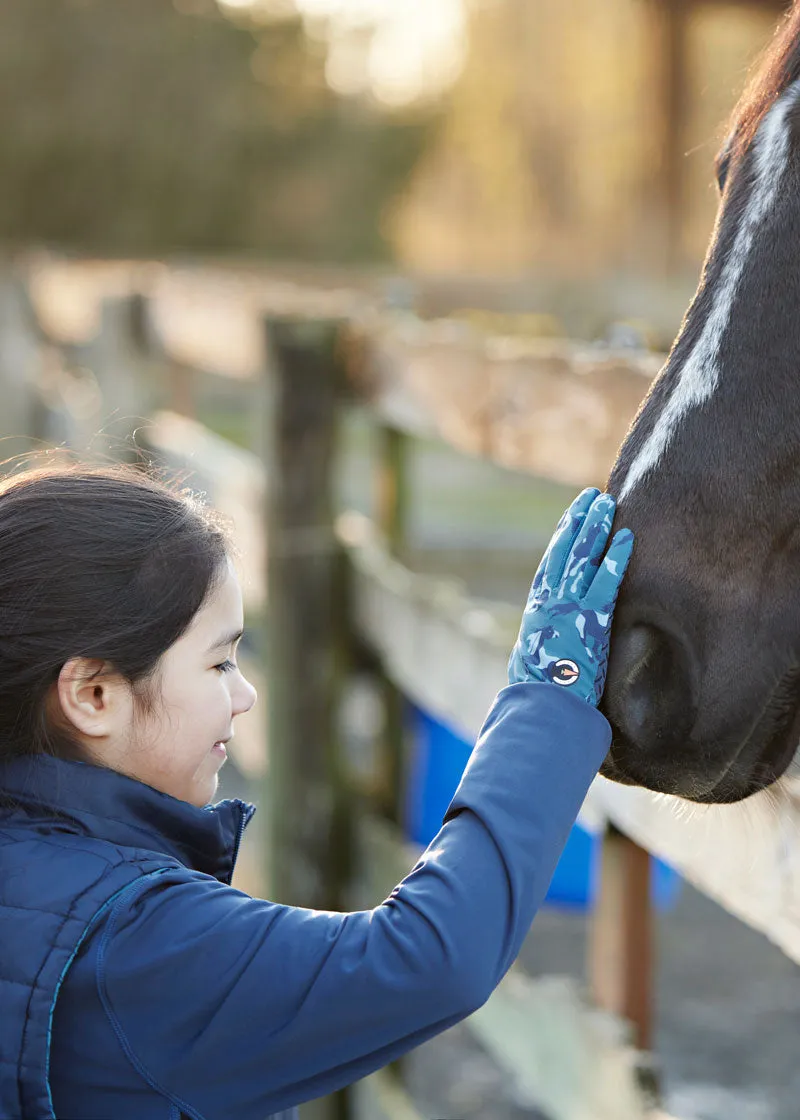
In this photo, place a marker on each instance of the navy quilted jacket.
(136, 982)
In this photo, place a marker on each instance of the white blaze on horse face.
(699, 376)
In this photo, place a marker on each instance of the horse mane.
(775, 70)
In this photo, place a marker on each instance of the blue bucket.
(439, 756)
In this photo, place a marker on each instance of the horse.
(703, 686)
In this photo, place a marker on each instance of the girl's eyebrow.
(225, 640)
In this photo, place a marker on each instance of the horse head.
(703, 688)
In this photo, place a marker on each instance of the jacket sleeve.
(235, 1006)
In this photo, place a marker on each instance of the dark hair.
(103, 563)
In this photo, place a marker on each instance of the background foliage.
(132, 127)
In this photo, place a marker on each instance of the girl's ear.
(92, 697)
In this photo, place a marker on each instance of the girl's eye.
(226, 666)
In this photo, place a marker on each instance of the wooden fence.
(552, 409)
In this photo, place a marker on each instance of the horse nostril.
(648, 692)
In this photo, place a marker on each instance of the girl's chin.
(204, 785)
(203, 794)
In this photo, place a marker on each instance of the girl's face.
(178, 747)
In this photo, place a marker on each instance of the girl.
(135, 982)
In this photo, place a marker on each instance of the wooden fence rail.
(550, 408)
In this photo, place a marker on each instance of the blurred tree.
(143, 127)
(550, 156)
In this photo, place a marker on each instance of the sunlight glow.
(399, 52)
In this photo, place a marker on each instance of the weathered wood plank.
(233, 479)
(571, 1060)
(547, 407)
(445, 651)
(745, 856)
(381, 1097)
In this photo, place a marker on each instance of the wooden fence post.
(391, 514)
(670, 22)
(621, 953)
(22, 419)
(305, 856)
(117, 359)
(391, 489)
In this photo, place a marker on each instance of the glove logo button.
(564, 672)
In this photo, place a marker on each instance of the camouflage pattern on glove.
(567, 620)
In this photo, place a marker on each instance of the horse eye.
(722, 165)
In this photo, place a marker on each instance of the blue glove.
(564, 633)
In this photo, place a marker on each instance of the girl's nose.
(245, 697)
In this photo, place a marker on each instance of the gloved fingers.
(603, 592)
(552, 564)
(587, 550)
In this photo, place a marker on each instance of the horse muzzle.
(665, 741)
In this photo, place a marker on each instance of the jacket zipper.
(245, 815)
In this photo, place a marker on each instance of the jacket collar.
(92, 801)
